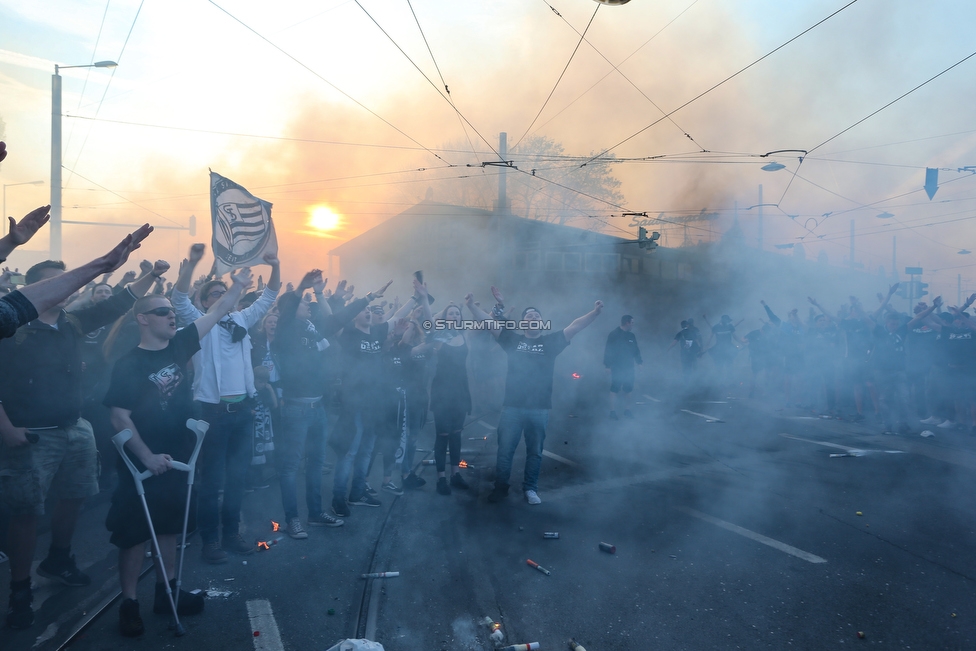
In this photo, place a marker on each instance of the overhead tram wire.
(727, 79)
(616, 68)
(98, 39)
(108, 85)
(98, 185)
(556, 85)
(446, 98)
(327, 82)
(900, 97)
(447, 89)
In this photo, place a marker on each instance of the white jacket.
(220, 365)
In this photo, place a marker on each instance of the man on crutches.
(150, 396)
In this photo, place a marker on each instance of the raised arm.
(143, 284)
(21, 232)
(936, 304)
(817, 305)
(185, 280)
(884, 303)
(240, 281)
(576, 326)
(48, 293)
(775, 320)
(420, 293)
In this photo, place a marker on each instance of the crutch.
(120, 440)
(198, 427)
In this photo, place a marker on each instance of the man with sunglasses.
(223, 385)
(149, 395)
(47, 446)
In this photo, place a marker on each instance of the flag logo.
(242, 228)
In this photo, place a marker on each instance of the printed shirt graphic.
(365, 377)
(166, 380)
(242, 228)
(153, 385)
(531, 364)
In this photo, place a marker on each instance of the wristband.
(498, 311)
(369, 296)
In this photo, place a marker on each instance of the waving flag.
(242, 228)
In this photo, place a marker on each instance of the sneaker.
(365, 500)
(532, 498)
(324, 520)
(64, 570)
(188, 604)
(627, 414)
(412, 481)
(390, 487)
(948, 424)
(613, 415)
(370, 490)
(498, 493)
(457, 481)
(213, 554)
(236, 544)
(931, 420)
(340, 508)
(130, 622)
(20, 615)
(295, 529)
(442, 486)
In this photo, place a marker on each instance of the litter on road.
(575, 646)
(608, 548)
(380, 575)
(927, 434)
(532, 563)
(531, 646)
(551, 535)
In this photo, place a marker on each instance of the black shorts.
(621, 380)
(166, 497)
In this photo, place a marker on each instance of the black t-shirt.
(410, 371)
(687, 338)
(723, 334)
(823, 343)
(365, 376)
(889, 349)
(958, 346)
(858, 339)
(155, 386)
(531, 363)
(922, 346)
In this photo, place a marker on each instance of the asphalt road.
(734, 529)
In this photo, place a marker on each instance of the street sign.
(913, 271)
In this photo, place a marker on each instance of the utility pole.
(55, 224)
(502, 206)
(958, 289)
(760, 238)
(852, 244)
(894, 256)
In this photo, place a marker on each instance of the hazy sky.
(190, 67)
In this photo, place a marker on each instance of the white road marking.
(486, 425)
(587, 489)
(711, 419)
(263, 624)
(850, 452)
(551, 455)
(651, 399)
(752, 535)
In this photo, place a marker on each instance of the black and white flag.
(242, 228)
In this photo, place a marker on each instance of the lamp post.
(56, 153)
(3, 217)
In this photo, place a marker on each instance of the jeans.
(893, 392)
(513, 422)
(357, 457)
(302, 431)
(224, 460)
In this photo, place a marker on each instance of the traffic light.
(193, 225)
(921, 289)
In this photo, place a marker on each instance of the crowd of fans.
(896, 371)
(278, 373)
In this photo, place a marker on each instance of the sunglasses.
(160, 311)
(217, 293)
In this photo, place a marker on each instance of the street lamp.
(3, 217)
(56, 153)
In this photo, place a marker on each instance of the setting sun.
(324, 218)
